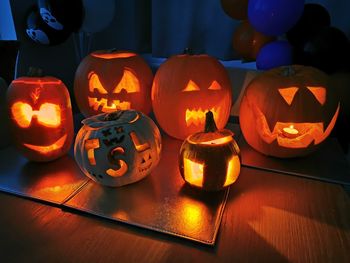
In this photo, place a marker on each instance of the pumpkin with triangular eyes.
(185, 87)
(118, 148)
(41, 118)
(288, 111)
(109, 80)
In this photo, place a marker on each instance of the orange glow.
(191, 86)
(95, 83)
(218, 141)
(113, 55)
(35, 94)
(37, 82)
(193, 172)
(139, 146)
(233, 170)
(48, 115)
(90, 146)
(192, 216)
(214, 86)
(118, 172)
(129, 83)
(319, 93)
(288, 94)
(49, 148)
(197, 117)
(307, 132)
(103, 104)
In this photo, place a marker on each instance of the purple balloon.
(274, 17)
(274, 54)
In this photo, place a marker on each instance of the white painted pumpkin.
(118, 148)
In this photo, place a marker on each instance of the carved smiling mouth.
(49, 148)
(103, 105)
(197, 116)
(308, 133)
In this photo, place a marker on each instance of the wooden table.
(269, 217)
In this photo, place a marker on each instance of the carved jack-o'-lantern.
(40, 117)
(288, 111)
(118, 148)
(111, 80)
(210, 160)
(185, 87)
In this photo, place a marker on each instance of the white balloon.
(98, 15)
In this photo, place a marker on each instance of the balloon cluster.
(51, 22)
(277, 33)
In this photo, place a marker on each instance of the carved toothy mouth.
(197, 116)
(49, 148)
(103, 105)
(308, 132)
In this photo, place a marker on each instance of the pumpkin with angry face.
(288, 111)
(185, 87)
(40, 117)
(109, 80)
(117, 148)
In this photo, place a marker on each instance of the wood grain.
(269, 217)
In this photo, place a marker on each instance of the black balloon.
(62, 14)
(38, 31)
(328, 50)
(314, 18)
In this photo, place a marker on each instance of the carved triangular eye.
(129, 83)
(95, 83)
(214, 86)
(319, 93)
(288, 94)
(191, 86)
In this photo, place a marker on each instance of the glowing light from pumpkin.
(129, 83)
(95, 83)
(233, 170)
(197, 117)
(140, 147)
(90, 146)
(48, 148)
(215, 86)
(96, 104)
(191, 86)
(118, 172)
(113, 55)
(193, 172)
(218, 141)
(48, 115)
(319, 93)
(288, 94)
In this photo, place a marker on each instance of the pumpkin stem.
(113, 116)
(288, 71)
(210, 125)
(111, 50)
(188, 51)
(35, 72)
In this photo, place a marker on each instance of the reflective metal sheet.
(327, 164)
(160, 202)
(51, 182)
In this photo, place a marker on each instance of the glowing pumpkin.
(185, 87)
(111, 80)
(288, 111)
(40, 117)
(210, 160)
(118, 148)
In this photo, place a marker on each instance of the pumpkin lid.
(111, 118)
(112, 54)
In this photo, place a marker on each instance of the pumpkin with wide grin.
(288, 111)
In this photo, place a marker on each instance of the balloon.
(237, 9)
(314, 18)
(62, 14)
(38, 31)
(247, 41)
(274, 54)
(274, 17)
(328, 50)
(98, 15)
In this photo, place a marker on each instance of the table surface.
(269, 217)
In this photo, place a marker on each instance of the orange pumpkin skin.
(185, 87)
(285, 96)
(109, 80)
(40, 117)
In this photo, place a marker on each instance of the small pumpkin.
(40, 116)
(210, 160)
(118, 148)
(109, 80)
(185, 87)
(288, 111)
